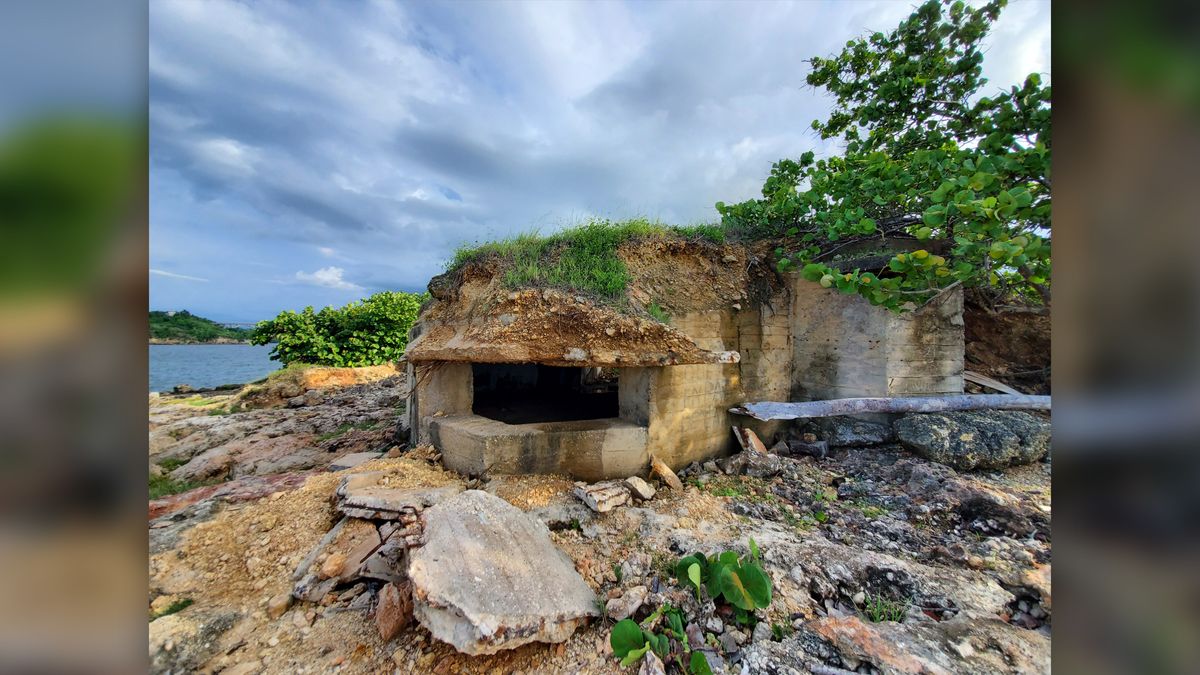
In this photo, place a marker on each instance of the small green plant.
(820, 516)
(779, 631)
(172, 463)
(739, 580)
(162, 486)
(655, 310)
(877, 608)
(617, 572)
(631, 640)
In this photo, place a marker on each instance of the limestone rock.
(179, 643)
(489, 578)
(624, 606)
(752, 463)
(640, 488)
(651, 665)
(395, 610)
(333, 566)
(279, 604)
(603, 497)
(991, 439)
(842, 431)
(352, 460)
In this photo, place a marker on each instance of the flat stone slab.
(352, 460)
(489, 578)
(398, 499)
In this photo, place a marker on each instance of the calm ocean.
(205, 366)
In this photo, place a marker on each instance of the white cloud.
(328, 277)
(172, 275)
(326, 251)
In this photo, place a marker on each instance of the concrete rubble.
(489, 578)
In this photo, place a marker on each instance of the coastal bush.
(964, 177)
(367, 332)
(582, 258)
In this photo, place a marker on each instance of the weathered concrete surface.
(604, 497)
(590, 450)
(489, 578)
(845, 347)
(976, 440)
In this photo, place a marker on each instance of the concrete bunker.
(549, 381)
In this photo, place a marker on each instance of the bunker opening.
(528, 392)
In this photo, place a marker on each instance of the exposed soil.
(1012, 347)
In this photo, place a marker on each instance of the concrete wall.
(689, 405)
(843, 346)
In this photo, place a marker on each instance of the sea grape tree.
(930, 157)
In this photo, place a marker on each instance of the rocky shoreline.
(962, 556)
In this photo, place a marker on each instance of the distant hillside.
(183, 326)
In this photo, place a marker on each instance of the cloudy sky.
(313, 153)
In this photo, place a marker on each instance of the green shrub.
(363, 333)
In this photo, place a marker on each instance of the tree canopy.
(961, 177)
(363, 333)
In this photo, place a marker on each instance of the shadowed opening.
(527, 392)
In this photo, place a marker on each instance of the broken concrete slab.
(640, 488)
(489, 578)
(396, 500)
(603, 497)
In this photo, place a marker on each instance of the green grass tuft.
(582, 258)
(658, 313)
(878, 609)
(162, 486)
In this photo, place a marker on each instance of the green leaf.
(734, 590)
(753, 549)
(757, 584)
(693, 573)
(635, 655)
(626, 637)
(923, 233)
(813, 271)
(698, 665)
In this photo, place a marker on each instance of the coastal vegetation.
(930, 157)
(581, 258)
(183, 326)
(367, 332)
(950, 182)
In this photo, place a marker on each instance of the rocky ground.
(956, 563)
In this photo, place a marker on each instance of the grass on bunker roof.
(581, 258)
